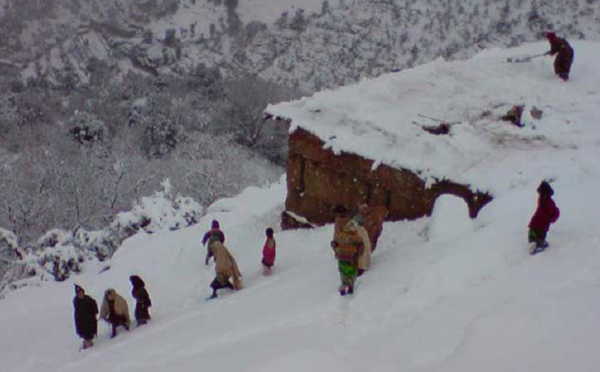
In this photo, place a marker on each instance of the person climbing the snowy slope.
(225, 268)
(211, 235)
(115, 311)
(142, 300)
(85, 313)
(546, 213)
(268, 252)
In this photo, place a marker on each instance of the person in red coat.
(546, 213)
(268, 252)
(564, 55)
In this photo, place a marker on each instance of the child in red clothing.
(268, 252)
(546, 213)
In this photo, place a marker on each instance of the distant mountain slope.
(309, 46)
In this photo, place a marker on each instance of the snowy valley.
(445, 293)
(308, 45)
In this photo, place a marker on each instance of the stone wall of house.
(317, 180)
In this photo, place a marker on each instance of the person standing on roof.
(564, 55)
(212, 235)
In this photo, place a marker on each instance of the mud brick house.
(318, 179)
(400, 141)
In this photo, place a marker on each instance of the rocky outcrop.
(317, 180)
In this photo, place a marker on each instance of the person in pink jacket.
(268, 252)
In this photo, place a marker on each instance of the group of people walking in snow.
(114, 310)
(354, 240)
(227, 273)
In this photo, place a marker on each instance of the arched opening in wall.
(475, 199)
(449, 219)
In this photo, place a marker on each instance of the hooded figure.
(214, 234)
(142, 300)
(564, 55)
(225, 268)
(348, 247)
(373, 222)
(546, 213)
(85, 311)
(115, 311)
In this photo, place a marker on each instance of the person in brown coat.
(225, 268)
(115, 311)
(564, 55)
(373, 221)
(142, 300)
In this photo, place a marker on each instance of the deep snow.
(445, 293)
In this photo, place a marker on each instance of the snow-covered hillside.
(444, 294)
(268, 11)
(309, 45)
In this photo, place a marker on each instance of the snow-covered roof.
(382, 119)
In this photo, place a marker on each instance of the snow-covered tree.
(87, 129)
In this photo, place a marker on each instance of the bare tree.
(210, 167)
(242, 114)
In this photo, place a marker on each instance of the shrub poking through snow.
(159, 212)
(59, 256)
